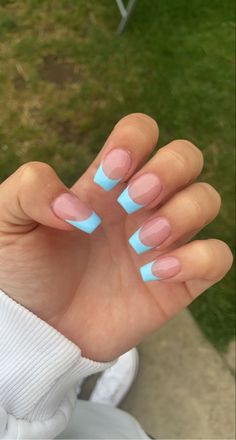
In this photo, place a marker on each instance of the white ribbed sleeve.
(39, 371)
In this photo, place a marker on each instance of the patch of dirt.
(68, 131)
(58, 71)
(65, 129)
(19, 82)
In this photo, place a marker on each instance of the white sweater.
(39, 371)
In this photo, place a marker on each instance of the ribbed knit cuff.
(39, 367)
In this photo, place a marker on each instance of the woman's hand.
(89, 287)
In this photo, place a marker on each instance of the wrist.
(39, 370)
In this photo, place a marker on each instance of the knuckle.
(180, 161)
(211, 195)
(140, 120)
(192, 154)
(185, 143)
(207, 257)
(197, 210)
(193, 209)
(225, 249)
(201, 203)
(216, 258)
(228, 256)
(32, 171)
(138, 117)
(146, 119)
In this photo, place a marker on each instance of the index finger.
(130, 143)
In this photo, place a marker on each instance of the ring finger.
(170, 169)
(187, 211)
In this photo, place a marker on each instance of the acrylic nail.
(140, 192)
(113, 169)
(70, 209)
(160, 269)
(150, 235)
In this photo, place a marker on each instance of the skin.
(89, 287)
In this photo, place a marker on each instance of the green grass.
(66, 78)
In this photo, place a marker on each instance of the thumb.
(34, 194)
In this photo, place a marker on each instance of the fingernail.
(151, 235)
(160, 269)
(140, 192)
(112, 169)
(70, 209)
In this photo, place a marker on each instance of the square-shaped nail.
(113, 169)
(69, 208)
(140, 192)
(147, 273)
(150, 235)
(160, 269)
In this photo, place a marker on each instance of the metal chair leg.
(125, 13)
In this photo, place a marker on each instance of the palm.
(89, 287)
(93, 283)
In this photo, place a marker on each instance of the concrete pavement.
(185, 389)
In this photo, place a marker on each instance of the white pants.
(97, 421)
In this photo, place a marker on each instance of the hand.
(89, 286)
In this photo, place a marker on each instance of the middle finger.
(176, 165)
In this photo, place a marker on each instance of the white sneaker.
(115, 382)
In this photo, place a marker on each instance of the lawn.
(66, 78)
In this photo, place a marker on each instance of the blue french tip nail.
(102, 180)
(136, 243)
(146, 272)
(127, 203)
(88, 225)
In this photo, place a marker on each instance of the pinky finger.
(200, 263)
